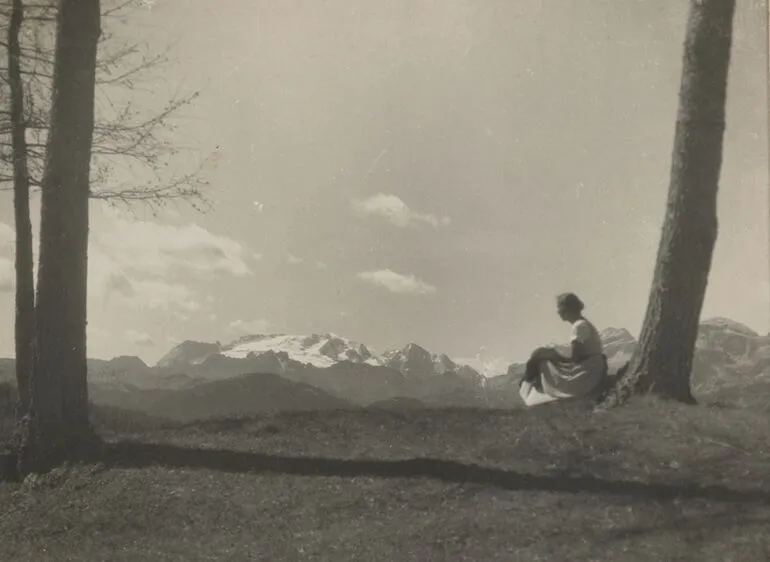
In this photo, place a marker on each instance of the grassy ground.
(646, 482)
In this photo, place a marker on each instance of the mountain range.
(273, 372)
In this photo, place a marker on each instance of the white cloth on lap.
(532, 396)
(570, 379)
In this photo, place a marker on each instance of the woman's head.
(569, 306)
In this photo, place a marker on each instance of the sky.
(425, 171)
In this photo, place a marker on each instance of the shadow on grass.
(712, 524)
(128, 454)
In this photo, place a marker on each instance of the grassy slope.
(341, 486)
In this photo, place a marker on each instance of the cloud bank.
(397, 282)
(393, 209)
(146, 264)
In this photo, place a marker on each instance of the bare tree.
(25, 287)
(58, 419)
(122, 132)
(663, 362)
(125, 134)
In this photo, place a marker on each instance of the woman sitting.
(552, 376)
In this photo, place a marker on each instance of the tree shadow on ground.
(131, 454)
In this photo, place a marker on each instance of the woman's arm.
(551, 354)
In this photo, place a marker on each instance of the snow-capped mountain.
(343, 367)
(318, 350)
(276, 353)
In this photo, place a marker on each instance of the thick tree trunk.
(663, 362)
(59, 419)
(25, 284)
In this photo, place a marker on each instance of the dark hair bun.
(570, 301)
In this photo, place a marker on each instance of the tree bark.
(59, 420)
(25, 283)
(663, 362)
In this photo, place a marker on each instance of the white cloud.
(140, 338)
(258, 206)
(161, 248)
(7, 258)
(256, 256)
(392, 208)
(322, 265)
(7, 237)
(161, 295)
(397, 283)
(259, 326)
(7, 271)
(148, 294)
(146, 265)
(294, 260)
(7, 275)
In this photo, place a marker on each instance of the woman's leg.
(532, 373)
(532, 370)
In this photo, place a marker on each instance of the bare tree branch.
(125, 130)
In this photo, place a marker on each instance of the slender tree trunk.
(25, 284)
(59, 420)
(663, 362)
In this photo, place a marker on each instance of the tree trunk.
(59, 420)
(25, 284)
(663, 362)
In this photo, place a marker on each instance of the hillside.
(646, 482)
(249, 394)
